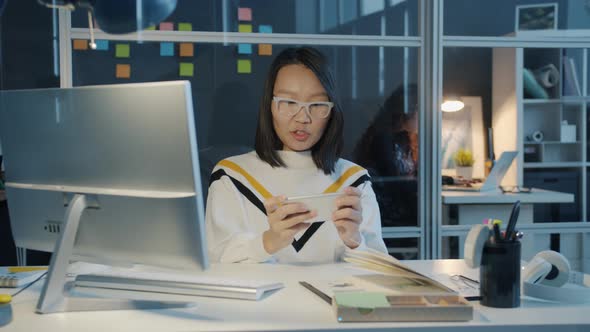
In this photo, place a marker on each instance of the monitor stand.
(57, 295)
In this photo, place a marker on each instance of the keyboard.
(170, 283)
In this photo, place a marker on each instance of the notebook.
(171, 283)
(18, 276)
(493, 180)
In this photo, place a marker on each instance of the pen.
(512, 220)
(317, 292)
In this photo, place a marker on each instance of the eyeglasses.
(515, 190)
(315, 109)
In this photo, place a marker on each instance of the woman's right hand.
(285, 220)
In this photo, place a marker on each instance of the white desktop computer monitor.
(121, 161)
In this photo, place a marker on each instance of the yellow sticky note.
(80, 44)
(187, 49)
(265, 49)
(187, 69)
(244, 66)
(185, 27)
(123, 71)
(151, 27)
(122, 51)
(245, 27)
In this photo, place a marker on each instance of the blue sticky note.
(166, 49)
(265, 28)
(244, 48)
(102, 45)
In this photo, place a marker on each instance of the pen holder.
(499, 274)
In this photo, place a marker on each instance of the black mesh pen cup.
(499, 274)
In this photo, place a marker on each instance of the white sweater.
(236, 219)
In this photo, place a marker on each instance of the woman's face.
(301, 131)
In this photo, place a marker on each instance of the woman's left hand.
(348, 216)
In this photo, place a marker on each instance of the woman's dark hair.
(327, 150)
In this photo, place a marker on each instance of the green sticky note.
(244, 66)
(187, 69)
(361, 299)
(245, 27)
(151, 27)
(185, 27)
(122, 51)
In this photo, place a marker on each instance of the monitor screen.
(130, 148)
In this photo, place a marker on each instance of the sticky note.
(80, 44)
(265, 28)
(186, 49)
(167, 49)
(185, 27)
(187, 69)
(244, 14)
(265, 49)
(166, 26)
(361, 299)
(123, 71)
(151, 27)
(244, 66)
(244, 48)
(102, 45)
(122, 51)
(245, 27)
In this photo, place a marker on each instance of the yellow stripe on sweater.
(345, 176)
(255, 184)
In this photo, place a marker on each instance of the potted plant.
(464, 163)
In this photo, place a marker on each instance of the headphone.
(544, 276)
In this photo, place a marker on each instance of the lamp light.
(452, 105)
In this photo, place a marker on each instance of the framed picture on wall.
(536, 17)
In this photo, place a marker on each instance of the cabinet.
(548, 125)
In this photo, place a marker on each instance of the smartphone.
(324, 204)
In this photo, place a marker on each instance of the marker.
(512, 220)
(497, 236)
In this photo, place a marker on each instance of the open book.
(394, 293)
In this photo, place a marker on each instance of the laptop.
(493, 180)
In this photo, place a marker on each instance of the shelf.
(560, 164)
(563, 100)
(551, 142)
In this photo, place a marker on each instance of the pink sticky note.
(166, 26)
(244, 14)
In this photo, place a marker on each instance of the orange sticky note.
(265, 49)
(186, 49)
(80, 44)
(123, 71)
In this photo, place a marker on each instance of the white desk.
(292, 308)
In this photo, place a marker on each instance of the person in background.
(389, 151)
(298, 145)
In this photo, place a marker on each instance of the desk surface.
(497, 197)
(292, 308)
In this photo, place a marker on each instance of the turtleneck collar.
(295, 159)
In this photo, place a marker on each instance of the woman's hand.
(285, 220)
(348, 216)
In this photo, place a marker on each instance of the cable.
(29, 284)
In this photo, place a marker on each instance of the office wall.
(27, 58)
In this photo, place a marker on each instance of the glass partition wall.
(395, 61)
(225, 48)
(526, 69)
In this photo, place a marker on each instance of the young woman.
(298, 144)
